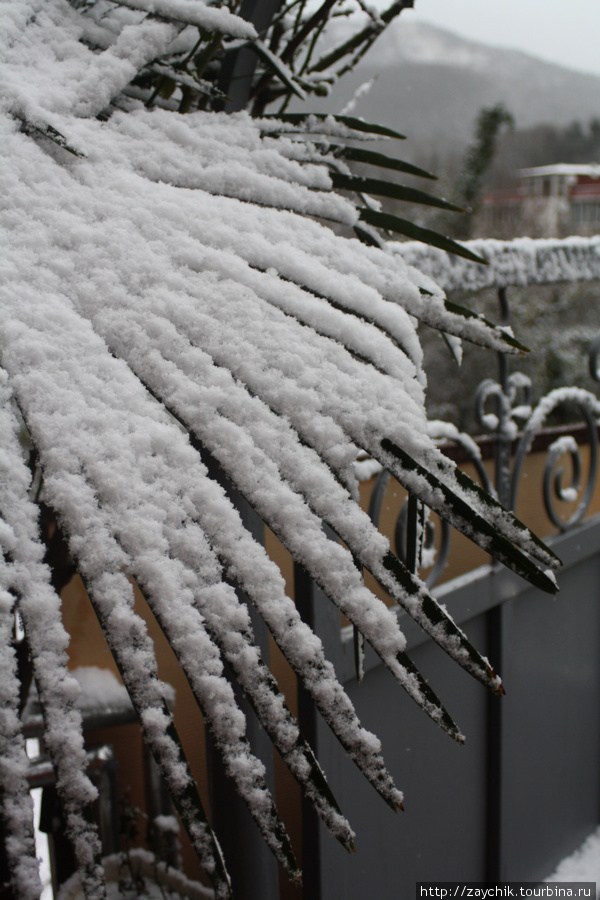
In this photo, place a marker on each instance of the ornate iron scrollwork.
(512, 395)
(504, 408)
(553, 487)
(510, 406)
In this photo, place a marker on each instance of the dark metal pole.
(504, 434)
(495, 621)
(238, 68)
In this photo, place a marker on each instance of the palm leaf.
(308, 123)
(373, 158)
(470, 521)
(408, 229)
(381, 188)
(281, 70)
(512, 344)
(48, 132)
(199, 14)
(181, 305)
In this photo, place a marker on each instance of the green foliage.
(478, 159)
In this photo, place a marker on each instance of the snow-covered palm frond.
(172, 309)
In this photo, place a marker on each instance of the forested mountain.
(543, 145)
(419, 67)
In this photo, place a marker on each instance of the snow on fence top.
(522, 261)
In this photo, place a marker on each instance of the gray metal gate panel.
(541, 764)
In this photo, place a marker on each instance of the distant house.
(547, 201)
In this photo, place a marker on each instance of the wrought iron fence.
(525, 791)
(504, 409)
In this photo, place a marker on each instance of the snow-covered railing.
(503, 408)
(523, 261)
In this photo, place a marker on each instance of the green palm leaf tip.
(381, 188)
(311, 120)
(378, 187)
(491, 331)
(525, 538)
(371, 157)
(445, 720)
(50, 133)
(396, 224)
(509, 550)
(436, 622)
(441, 716)
(512, 343)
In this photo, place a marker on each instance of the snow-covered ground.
(583, 865)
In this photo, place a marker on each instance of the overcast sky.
(561, 31)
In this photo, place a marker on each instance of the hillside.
(430, 85)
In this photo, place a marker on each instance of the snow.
(366, 468)
(25, 576)
(361, 91)
(170, 304)
(592, 170)
(573, 396)
(17, 805)
(518, 262)
(157, 880)
(42, 850)
(100, 690)
(582, 865)
(194, 12)
(449, 432)
(166, 824)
